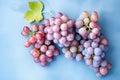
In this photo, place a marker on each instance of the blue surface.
(17, 64)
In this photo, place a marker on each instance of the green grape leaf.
(35, 14)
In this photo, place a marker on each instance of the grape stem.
(88, 28)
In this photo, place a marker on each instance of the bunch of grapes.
(80, 39)
(60, 30)
(75, 49)
(43, 50)
(93, 43)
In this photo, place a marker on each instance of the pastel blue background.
(17, 64)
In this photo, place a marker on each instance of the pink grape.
(36, 53)
(88, 62)
(64, 33)
(41, 27)
(43, 58)
(70, 23)
(83, 32)
(73, 49)
(37, 45)
(35, 27)
(36, 60)
(51, 47)
(103, 70)
(26, 29)
(79, 23)
(70, 37)
(49, 30)
(56, 52)
(32, 39)
(94, 16)
(46, 22)
(86, 21)
(64, 26)
(49, 36)
(62, 40)
(27, 43)
(56, 28)
(79, 57)
(86, 44)
(104, 41)
(64, 19)
(58, 21)
(94, 44)
(47, 42)
(39, 35)
(93, 25)
(97, 40)
(95, 30)
(57, 35)
(23, 33)
(40, 41)
(67, 43)
(52, 19)
(92, 36)
(49, 53)
(43, 48)
(68, 55)
(49, 59)
(83, 15)
(74, 43)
